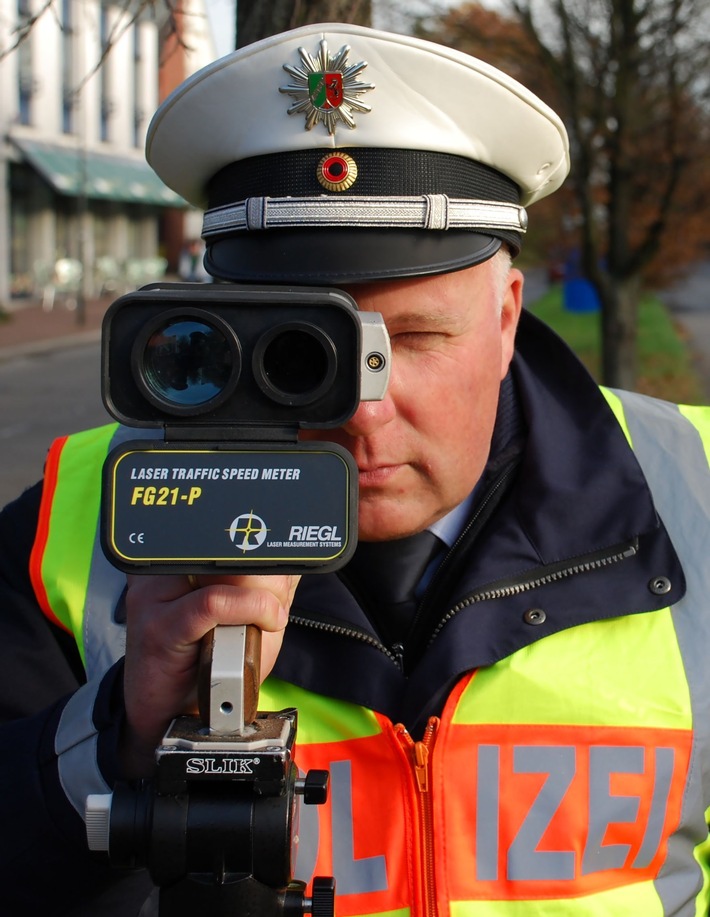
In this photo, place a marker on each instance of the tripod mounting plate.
(260, 755)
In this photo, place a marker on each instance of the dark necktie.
(386, 575)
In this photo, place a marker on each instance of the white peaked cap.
(435, 155)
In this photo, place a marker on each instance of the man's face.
(421, 450)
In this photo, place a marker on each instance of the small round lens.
(295, 363)
(187, 364)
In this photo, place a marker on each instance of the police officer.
(531, 735)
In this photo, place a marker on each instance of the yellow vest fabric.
(563, 780)
(61, 558)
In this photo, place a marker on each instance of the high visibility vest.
(570, 778)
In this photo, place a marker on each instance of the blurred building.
(79, 82)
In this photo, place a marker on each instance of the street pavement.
(691, 293)
(50, 385)
(689, 301)
(28, 329)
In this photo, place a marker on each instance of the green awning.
(101, 176)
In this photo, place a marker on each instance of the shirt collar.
(450, 526)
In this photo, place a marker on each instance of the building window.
(138, 70)
(20, 178)
(105, 77)
(25, 76)
(68, 88)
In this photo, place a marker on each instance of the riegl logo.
(248, 532)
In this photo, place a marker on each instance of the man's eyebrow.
(426, 318)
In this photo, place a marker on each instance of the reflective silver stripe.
(105, 638)
(487, 813)
(355, 875)
(427, 211)
(76, 744)
(671, 454)
(76, 740)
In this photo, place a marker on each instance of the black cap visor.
(348, 255)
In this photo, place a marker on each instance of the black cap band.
(351, 253)
(379, 171)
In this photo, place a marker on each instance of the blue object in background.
(580, 296)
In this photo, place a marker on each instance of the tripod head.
(217, 825)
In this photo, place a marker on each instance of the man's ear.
(512, 305)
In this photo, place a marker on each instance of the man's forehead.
(435, 301)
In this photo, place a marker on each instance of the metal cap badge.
(326, 89)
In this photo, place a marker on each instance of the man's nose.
(370, 416)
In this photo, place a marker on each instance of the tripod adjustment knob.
(314, 787)
(97, 815)
(323, 897)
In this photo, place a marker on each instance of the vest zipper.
(419, 755)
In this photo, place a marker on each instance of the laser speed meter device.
(214, 384)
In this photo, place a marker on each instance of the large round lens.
(186, 364)
(295, 363)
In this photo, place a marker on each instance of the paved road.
(536, 284)
(41, 397)
(692, 294)
(689, 300)
(697, 324)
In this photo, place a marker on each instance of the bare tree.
(260, 18)
(631, 81)
(632, 78)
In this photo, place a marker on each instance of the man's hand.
(167, 618)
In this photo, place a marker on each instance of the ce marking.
(136, 537)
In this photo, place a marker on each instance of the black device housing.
(273, 361)
(323, 323)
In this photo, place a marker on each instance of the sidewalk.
(28, 329)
